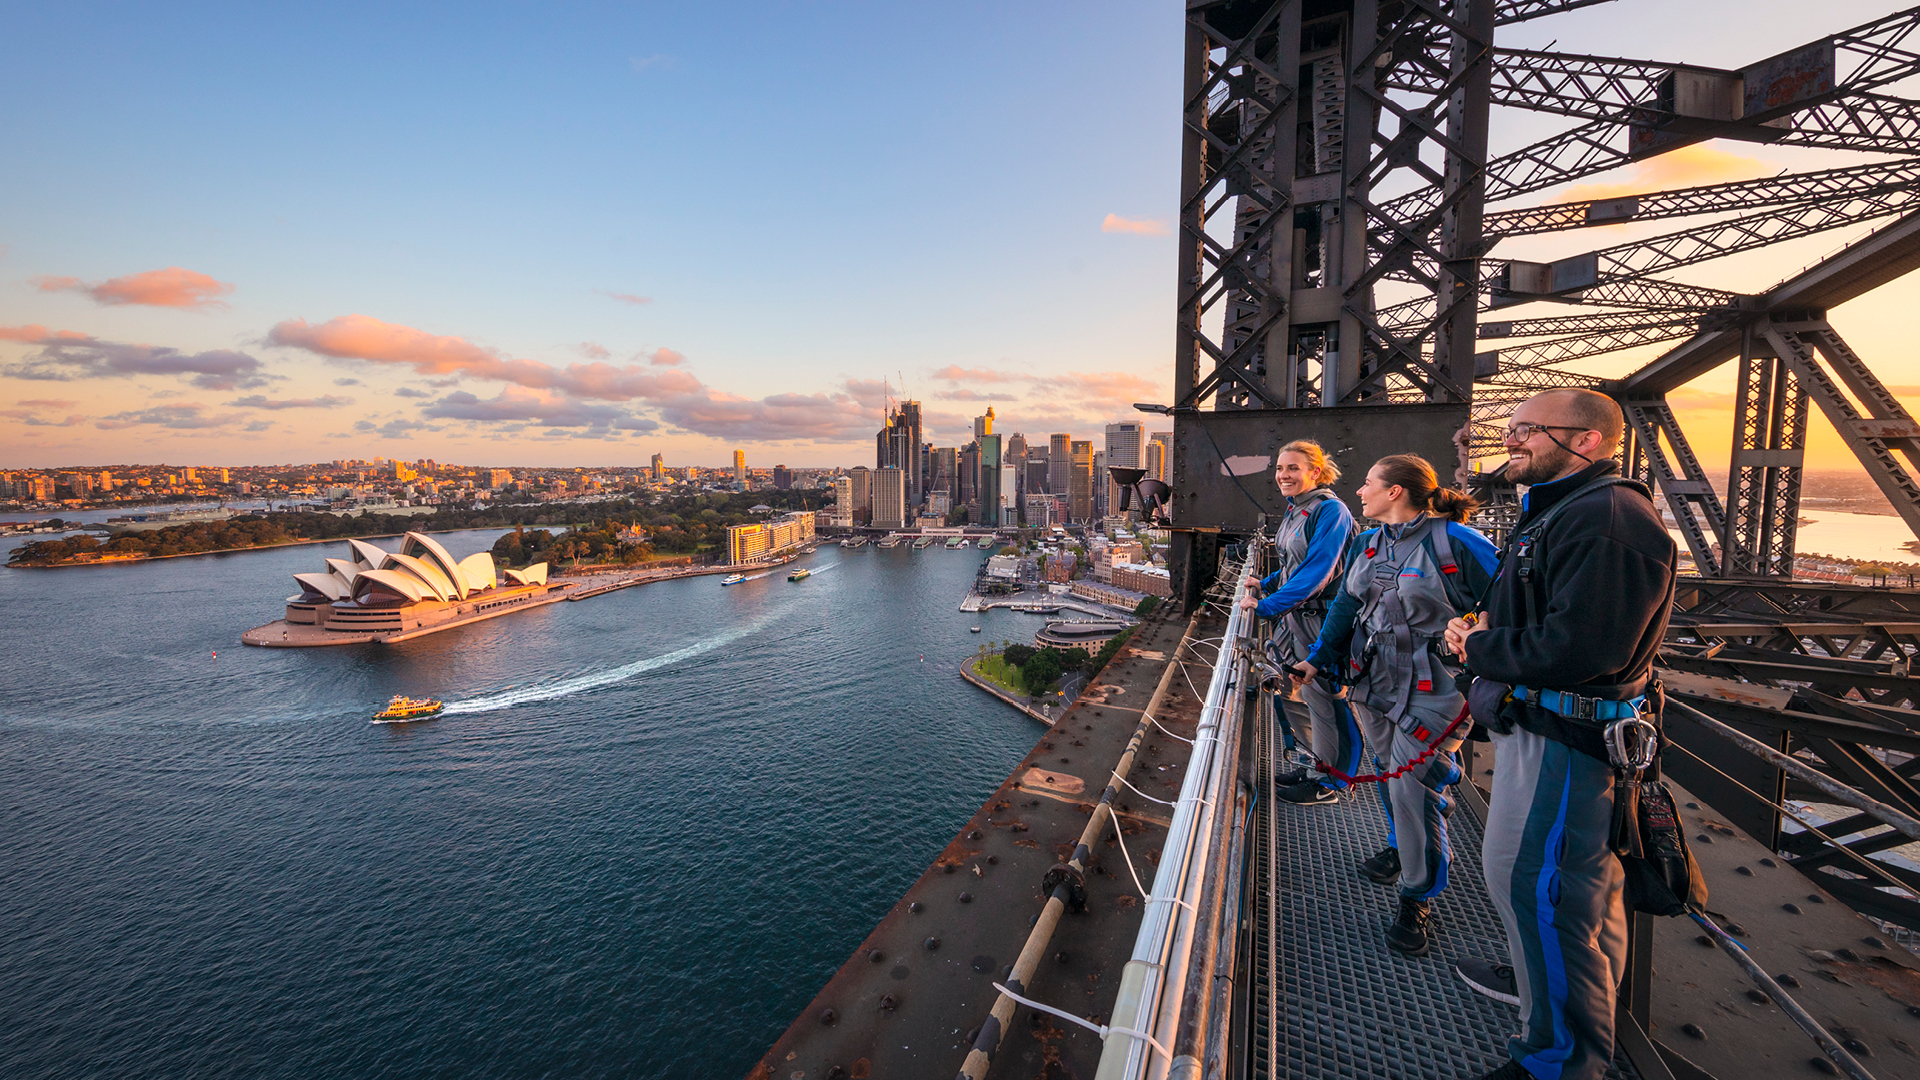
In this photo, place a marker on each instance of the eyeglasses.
(1521, 432)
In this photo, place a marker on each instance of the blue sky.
(810, 197)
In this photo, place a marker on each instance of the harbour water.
(648, 827)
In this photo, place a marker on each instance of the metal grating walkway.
(1345, 1006)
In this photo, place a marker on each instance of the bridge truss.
(1341, 214)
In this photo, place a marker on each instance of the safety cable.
(1871, 866)
(1144, 894)
(1374, 778)
(1101, 1030)
(1137, 791)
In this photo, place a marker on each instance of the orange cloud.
(956, 373)
(1689, 166)
(174, 287)
(359, 337)
(665, 357)
(35, 334)
(1114, 223)
(49, 403)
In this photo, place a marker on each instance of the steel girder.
(1663, 458)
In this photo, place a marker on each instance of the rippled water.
(649, 827)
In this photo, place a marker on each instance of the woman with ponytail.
(1312, 543)
(1405, 580)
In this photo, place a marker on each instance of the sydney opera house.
(385, 595)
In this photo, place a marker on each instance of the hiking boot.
(1408, 934)
(1512, 1070)
(1383, 868)
(1486, 977)
(1310, 793)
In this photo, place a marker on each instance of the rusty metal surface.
(907, 1001)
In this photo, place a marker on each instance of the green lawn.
(1002, 674)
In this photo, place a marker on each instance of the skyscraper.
(990, 476)
(914, 461)
(659, 467)
(1080, 481)
(782, 477)
(1015, 457)
(1159, 454)
(843, 501)
(983, 425)
(740, 468)
(1035, 482)
(889, 499)
(1060, 462)
(862, 478)
(1126, 449)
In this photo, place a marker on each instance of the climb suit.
(1576, 641)
(1312, 541)
(1403, 583)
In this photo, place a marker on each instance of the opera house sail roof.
(421, 570)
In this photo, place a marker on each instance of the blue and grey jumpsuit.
(1311, 541)
(1386, 627)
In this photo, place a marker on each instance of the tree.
(1040, 671)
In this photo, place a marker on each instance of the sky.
(581, 234)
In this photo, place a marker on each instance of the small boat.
(973, 629)
(734, 579)
(403, 708)
(986, 542)
(800, 575)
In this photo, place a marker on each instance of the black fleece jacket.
(1603, 576)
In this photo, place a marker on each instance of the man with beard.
(1565, 648)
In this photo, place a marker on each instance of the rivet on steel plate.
(933, 943)
(888, 1003)
(874, 957)
(966, 898)
(828, 1016)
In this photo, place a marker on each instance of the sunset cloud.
(515, 404)
(183, 416)
(359, 337)
(956, 373)
(625, 298)
(65, 357)
(49, 403)
(258, 401)
(174, 287)
(35, 334)
(593, 350)
(1689, 166)
(1114, 223)
(664, 357)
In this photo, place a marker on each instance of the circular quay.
(1140, 540)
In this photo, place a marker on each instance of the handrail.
(1153, 981)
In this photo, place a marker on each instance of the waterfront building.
(1087, 634)
(1059, 463)
(745, 543)
(1142, 578)
(1080, 482)
(378, 591)
(889, 498)
(1101, 592)
(939, 504)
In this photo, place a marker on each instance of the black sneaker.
(1383, 868)
(1292, 776)
(1512, 1070)
(1486, 977)
(1310, 793)
(1408, 934)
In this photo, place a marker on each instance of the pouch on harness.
(1662, 877)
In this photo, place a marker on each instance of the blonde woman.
(1312, 542)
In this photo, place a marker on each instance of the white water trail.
(579, 684)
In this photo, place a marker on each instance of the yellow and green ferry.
(403, 708)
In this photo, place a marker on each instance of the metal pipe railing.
(1154, 979)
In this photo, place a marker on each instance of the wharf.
(909, 1000)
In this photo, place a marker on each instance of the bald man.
(1572, 626)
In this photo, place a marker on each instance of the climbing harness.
(1420, 733)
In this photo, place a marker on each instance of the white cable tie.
(1102, 1030)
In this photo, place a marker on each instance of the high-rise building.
(659, 467)
(740, 468)
(498, 478)
(1039, 508)
(1126, 449)
(1059, 462)
(1035, 481)
(983, 425)
(1159, 455)
(843, 502)
(782, 478)
(1080, 481)
(1009, 495)
(967, 476)
(1016, 456)
(889, 498)
(1101, 484)
(914, 460)
(862, 478)
(943, 463)
(990, 475)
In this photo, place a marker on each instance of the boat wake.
(580, 684)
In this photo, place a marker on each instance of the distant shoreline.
(127, 561)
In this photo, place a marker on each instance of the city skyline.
(438, 260)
